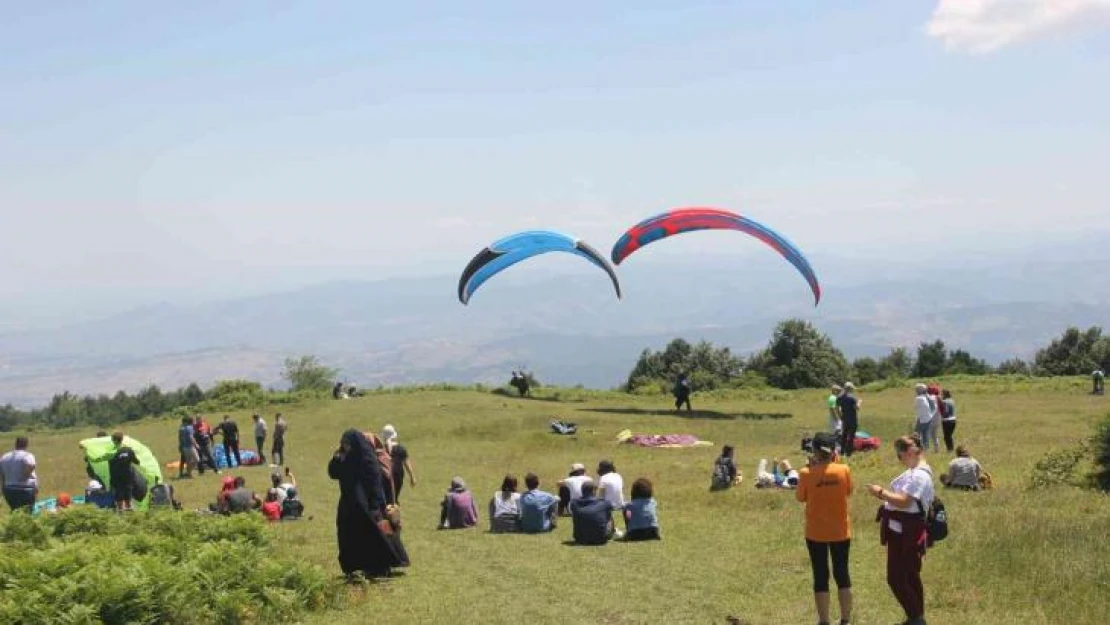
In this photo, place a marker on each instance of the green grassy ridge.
(1015, 554)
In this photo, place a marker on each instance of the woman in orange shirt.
(825, 486)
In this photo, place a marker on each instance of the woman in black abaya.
(363, 547)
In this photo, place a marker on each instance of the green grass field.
(1014, 555)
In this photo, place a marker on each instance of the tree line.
(305, 375)
(800, 356)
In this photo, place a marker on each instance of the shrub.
(91, 566)
(1059, 468)
(1100, 443)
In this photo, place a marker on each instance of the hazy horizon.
(192, 152)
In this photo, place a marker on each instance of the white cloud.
(981, 26)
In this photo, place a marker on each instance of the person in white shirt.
(610, 484)
(17, 475)
(904, 528)
(570, 488)
(260, 437)
(924, 413)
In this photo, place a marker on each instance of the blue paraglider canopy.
(506, 252)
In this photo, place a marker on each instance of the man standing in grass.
(187, 445)
(121, 469)
(848, 406)
(277, 451)
(537, 508)
(230, 431)
(260, 437)
(17, 472)
(1098, 378)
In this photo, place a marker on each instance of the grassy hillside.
(1014, 555)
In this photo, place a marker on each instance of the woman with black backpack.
(904, 527)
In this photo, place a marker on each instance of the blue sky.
(195, 150)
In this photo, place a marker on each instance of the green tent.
(99, 450)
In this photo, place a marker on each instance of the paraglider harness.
(563, 427)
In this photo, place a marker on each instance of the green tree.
(897, 364)
(307, 374)
(1014, 366)
(865, 370)
(1074, 353)
(932, 358)
(799, 356)
(960, 361)
(709, 367)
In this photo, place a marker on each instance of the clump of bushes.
(1060, 467)
(91, 566)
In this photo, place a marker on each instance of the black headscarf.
(360, 462)
(359, 471)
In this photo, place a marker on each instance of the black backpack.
(936, 522)
(721, 477)
(160, 495)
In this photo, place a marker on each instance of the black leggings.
(681, 400)
(848, 438)
(949, 427)
(819, 560)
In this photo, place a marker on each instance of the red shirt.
(271, 510)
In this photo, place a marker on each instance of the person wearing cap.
(848, 407)
(570, 488)
(834, 410)
(458, 510)
(399, 457)
(824, 486)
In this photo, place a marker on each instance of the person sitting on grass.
(504, 508)
(570, 488)
(592, 517)
(291, 509)
(458, 510)
(240, 499)
(725, 473)
(538, 509)
(640, 519)
(271, 508)
(963, 472)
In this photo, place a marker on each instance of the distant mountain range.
(567, 327)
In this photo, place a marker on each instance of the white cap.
(95, 485)
(389, 432)
(577, 466)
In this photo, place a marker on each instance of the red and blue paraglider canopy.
(689, 219)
